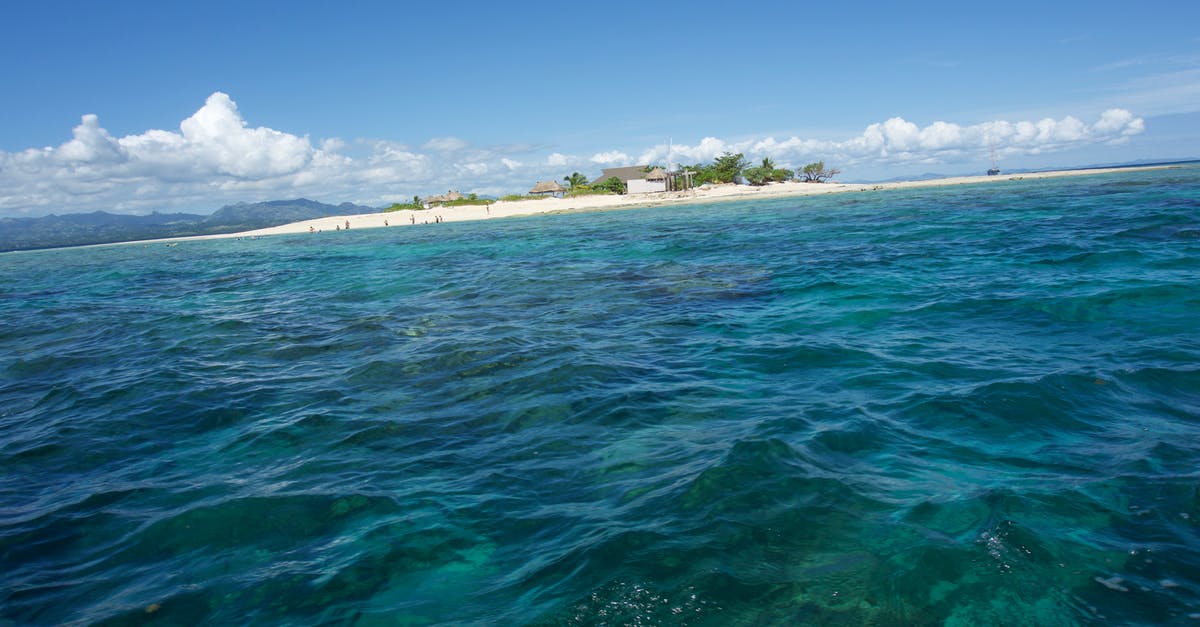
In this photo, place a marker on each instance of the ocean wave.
(972, 405)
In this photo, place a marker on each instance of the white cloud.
(333, 144)
(472, 171)
(706, 150)
(610, 157)
(445, 144)
(90, 144)
(897, 140)
(215, 158)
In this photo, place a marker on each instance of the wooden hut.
(548, 188)
(450, 196)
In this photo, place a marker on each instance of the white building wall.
(642, 186)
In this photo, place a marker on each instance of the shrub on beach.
(767, 173)
(516, 197)
(588, 191)
(469, 200)
(816, 172)
(402, 206)
(612, 184)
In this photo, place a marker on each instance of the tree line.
(726, 168)
(729, 166)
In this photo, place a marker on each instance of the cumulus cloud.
(91, 143)
(557, 160)
(610, 157)
(213, 148)
(897, 140)
(216, 157)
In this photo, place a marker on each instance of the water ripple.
(968, 405)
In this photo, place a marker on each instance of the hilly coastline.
(101, 227)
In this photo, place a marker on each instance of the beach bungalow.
(636, 179)
(548, 188)
(625, 174)
(653, 181)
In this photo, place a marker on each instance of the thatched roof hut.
(449, 196)
(547, 188)
(657, 174)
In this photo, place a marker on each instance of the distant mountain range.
(101, 227)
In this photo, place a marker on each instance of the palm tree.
(768, 165)
(575, 180)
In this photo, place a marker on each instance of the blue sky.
(139, 106)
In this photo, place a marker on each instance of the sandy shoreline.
(720, 193)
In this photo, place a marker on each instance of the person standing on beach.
(347, 225)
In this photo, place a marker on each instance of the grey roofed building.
(626, 174)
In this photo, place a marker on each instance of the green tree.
(767, 173)
(728, 166)
(612, 184)
(575, 180)
(816, 172)
(757, 175)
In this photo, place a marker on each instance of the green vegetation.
(471, 199)
(515, 197)
(576, 180)
(816, 173)
(577, 185)
(723, 169)
(767, 173)
(727, 167)
(587, 191)
(612, 184)
(416, 204)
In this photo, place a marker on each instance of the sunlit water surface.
(967, 405)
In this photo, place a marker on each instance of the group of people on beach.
(412, 219)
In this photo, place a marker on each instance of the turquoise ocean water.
(970, 405)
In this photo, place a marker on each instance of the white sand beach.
(718, 193)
